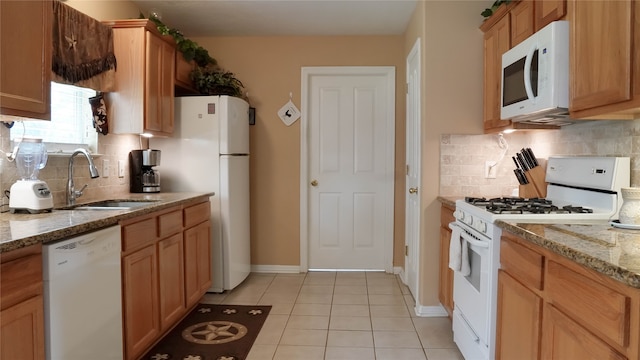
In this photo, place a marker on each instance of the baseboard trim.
(430, 311)
(399, 271)
(281, 269)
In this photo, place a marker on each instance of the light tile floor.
(340, 316)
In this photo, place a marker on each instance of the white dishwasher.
(83, 302)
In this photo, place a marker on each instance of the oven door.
(471, 293)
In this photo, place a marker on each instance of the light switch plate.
(105, 168)
(121, 168)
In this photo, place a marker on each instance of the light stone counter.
(610, 251)
(21, 230)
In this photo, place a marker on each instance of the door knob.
(413, 190)
(314, 182)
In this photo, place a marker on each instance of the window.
(71, 124)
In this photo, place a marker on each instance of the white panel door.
(412, 179)
(350, 170)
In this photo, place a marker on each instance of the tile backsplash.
(463, 157)
(110, 147)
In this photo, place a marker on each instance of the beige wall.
(452, 103)
(270, 69)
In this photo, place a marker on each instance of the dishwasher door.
(83, 302)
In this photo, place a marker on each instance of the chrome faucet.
(72, 193)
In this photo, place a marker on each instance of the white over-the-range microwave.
(535, 78)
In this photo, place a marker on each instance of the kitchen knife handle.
(527, 158)
(516, 162)
(523, 163)
(533, 157)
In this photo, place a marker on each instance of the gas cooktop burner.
(514, 205)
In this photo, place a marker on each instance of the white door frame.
(307, 73)
(413, 117)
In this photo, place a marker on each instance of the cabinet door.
(140, 291)
(171, 280)
(166, 87)
(153, 83)
(197, 261)
(496, 41)
(601, 53)
(565, 339)
(521, 21)
(445, 289)
(25, 58)
(22, 330)
(519, 320)
(547, 11)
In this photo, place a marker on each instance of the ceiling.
(197, 18)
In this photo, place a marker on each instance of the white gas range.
(580, 190)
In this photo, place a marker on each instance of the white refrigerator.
(209, 152)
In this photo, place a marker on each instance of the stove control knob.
(481, 226)
(458, 214)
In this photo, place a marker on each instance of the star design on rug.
(192, 357)
(214, 332)
(230, 311)
(160, 357)
(204, 310)
(72, 41)
(211, 332)
(255, 312)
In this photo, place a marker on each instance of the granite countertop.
(21, 230)
(610, 251)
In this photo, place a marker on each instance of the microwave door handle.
(527, 73)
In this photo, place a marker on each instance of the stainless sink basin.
(114, 205)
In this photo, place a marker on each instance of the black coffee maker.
(143, 179)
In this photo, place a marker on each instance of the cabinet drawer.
(20, 279)
(169, 223)
(196, 214)
(138, 234)
(521, 263)
(602, 310)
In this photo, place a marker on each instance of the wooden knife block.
(537, 187)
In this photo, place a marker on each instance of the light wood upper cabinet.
(604, 69)
(521, 21)
(547, 11)
(25, 58)
(497, 40)
(183, 83)
(143, 100)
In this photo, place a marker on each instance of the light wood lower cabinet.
(197, 255)
(518, 320)
(445, 285)
(550, 307)
(21, 304)
(141, 301)
(166, 267)
(171, 280)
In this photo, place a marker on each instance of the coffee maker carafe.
(143, 179)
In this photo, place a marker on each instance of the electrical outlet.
(121, 168)
(105, 168)
(490, 169)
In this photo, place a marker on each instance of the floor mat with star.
(212, 332)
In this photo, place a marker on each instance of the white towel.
(465, 268)
(455, 247)
(458, 251)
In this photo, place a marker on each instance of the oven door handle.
(474, 242)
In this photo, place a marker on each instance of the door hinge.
(406, 250)
(406, 86)
(407, 169)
